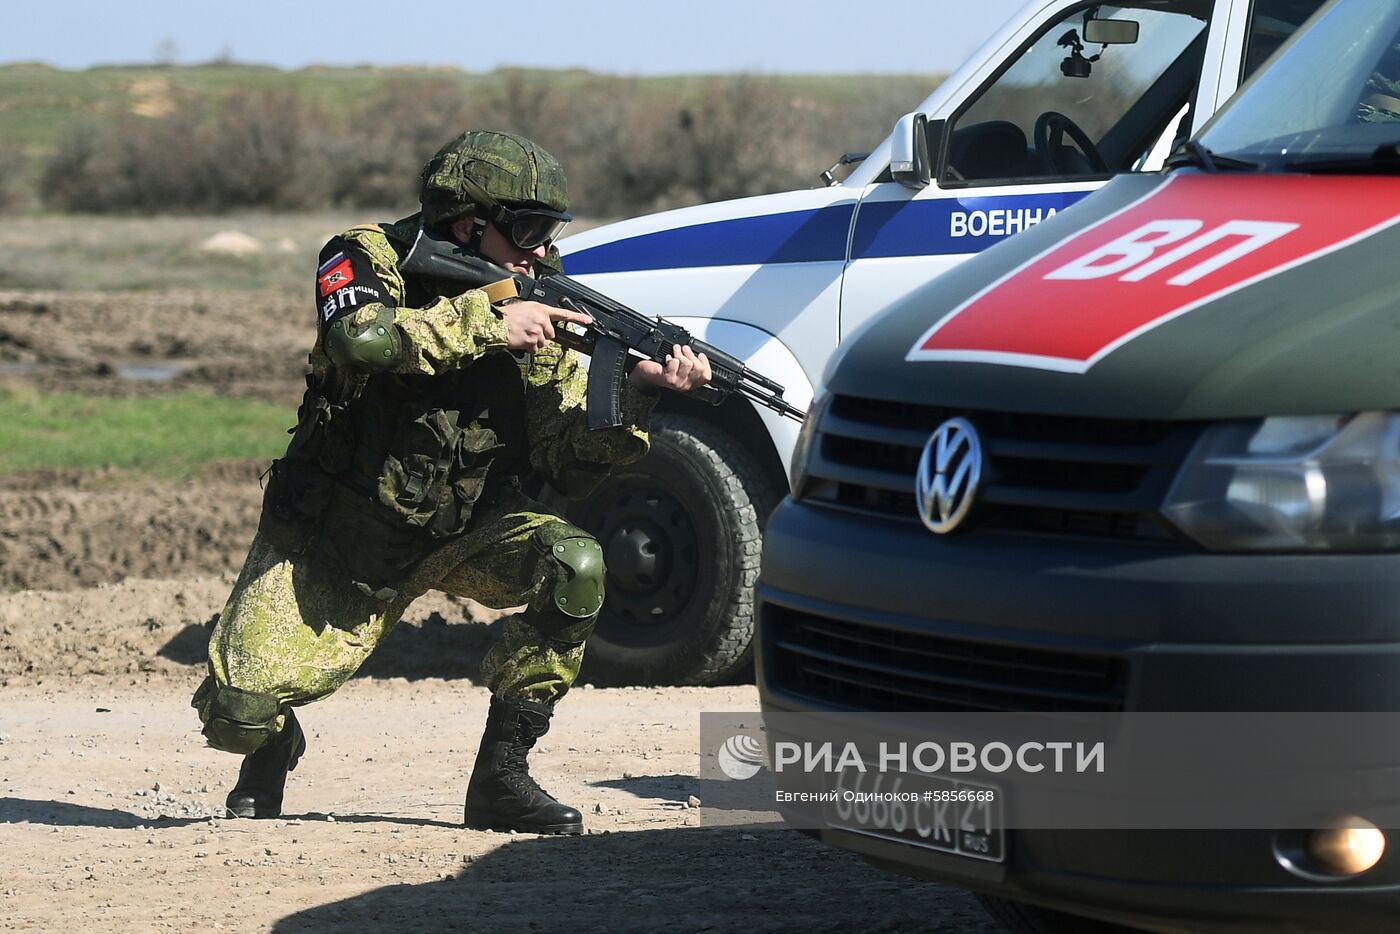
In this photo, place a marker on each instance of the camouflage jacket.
(411, 447)
(442, 334)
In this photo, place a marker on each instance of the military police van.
(1143, 457)
(1065, 95)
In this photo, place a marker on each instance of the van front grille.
(863, 666)
(1049, 474)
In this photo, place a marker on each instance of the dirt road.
(108, 804)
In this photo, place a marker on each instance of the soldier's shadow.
(432, 647)
(65, 814)
(660, 787)
(388, 819)
(427, 645)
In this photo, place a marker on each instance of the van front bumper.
(1161, 628)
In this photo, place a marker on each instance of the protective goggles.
(529, 228)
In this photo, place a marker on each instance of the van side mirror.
(909, 152)
(1111, 31)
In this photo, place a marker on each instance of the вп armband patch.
(345, 280)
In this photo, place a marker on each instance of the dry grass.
(117, 254)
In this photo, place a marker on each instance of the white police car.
(1064, 96)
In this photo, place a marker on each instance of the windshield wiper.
(1384, 158)
(1193, 153)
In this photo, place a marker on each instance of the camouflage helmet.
(507, 168)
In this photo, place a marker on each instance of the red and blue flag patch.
(335, 273)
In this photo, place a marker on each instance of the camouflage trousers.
(297, 635)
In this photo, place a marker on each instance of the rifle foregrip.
(718, 358)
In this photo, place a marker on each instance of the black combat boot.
(263, 776)
(501, 794)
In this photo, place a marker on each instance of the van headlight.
(802, 451)
(1295, 483)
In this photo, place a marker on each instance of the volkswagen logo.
(949, 472)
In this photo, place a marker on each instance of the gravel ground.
(109, 805)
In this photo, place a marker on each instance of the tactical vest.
(383, 471)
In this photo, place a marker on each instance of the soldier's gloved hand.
(530, 325)
(683, 371)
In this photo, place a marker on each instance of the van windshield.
(1329, 101)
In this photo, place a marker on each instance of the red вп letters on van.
(1192, 240)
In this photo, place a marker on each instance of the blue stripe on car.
(942, 226)
(792, 237)
(883, 229)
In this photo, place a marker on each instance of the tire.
(681, 532)
(1020, 918)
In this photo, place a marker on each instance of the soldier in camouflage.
(425, 406)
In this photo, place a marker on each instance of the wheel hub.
(637, 555)
(648, 542)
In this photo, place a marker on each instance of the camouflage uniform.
(404, 481)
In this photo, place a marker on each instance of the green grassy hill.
(225, 137)
(37, 101)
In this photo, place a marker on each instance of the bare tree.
(166, 52)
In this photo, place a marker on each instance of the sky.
(642, 37)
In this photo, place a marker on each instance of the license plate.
(961, 818)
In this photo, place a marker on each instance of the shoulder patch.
(345, 280)
(334, 273)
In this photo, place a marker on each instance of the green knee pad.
(574, 563)
(371, 348)
(236, 721)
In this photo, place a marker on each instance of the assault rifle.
(616, 331)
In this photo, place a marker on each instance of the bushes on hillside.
(13, 191)
(249, 152)
(374, 162)
(626, 149)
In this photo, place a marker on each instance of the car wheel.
(681, 532)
